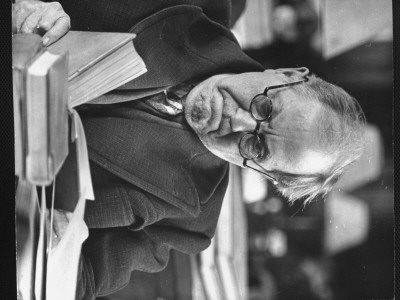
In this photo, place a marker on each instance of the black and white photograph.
(203, 149)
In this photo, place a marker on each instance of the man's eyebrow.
(266, 155)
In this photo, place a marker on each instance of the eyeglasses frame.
(256, 133)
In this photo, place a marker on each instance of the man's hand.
(34, 16)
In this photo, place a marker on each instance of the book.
(25, 47)
(98, 63)
(40, 103)
(49, 82)
(47, 124)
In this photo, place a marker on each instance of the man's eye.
(263, 149)
(262, 107)
(257, 146)
(251, 146)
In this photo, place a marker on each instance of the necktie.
(171, 100)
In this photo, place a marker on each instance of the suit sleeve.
(110, 255)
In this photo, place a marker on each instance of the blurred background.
(340, 247)
(337, 248)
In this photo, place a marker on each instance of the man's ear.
(294, 73)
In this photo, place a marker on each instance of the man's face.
(218, 111)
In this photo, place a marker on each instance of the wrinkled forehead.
(294, 139)
(290, 143)
(295, 122)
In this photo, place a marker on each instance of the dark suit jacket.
(156, 186)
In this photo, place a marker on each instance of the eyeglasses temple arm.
(283, 85)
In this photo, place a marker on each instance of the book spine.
(58, 112)
(37, 141)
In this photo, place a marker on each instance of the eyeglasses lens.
(250, 146)
(261, 107)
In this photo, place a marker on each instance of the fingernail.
(46, 41)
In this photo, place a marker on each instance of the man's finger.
(20, 13)
(49, 19)
(60, 27)
(22, 10)
(31, 22)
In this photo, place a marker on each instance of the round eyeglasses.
(251, 144)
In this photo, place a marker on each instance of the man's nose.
(242, 121)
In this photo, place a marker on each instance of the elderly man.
(160, 145)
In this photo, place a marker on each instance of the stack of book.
(40, 109)
(48, 82)
(50, 145)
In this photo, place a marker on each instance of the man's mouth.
(223, 129)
